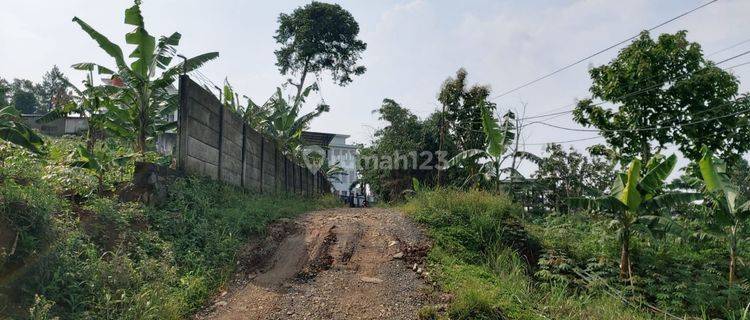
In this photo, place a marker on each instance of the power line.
(739, 65)
(730, 47)
(560, 142)
(640, 129)
(598, 52)
(649, 88)
(734, 57)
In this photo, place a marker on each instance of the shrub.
(97, 258)
(484, 257)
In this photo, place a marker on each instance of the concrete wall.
(54, 128)
(214, 142)
(59, 127)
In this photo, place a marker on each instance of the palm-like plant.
(634, 203)
(253, 114)
(13, 130)
(145, 97)
(98, 160)
(333, 172)
(91, 103)
(489, 160)
(285, 124)
(730, 214)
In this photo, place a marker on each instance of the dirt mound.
(334, 264)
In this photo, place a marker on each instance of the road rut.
(332, 264)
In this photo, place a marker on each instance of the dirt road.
(353, 263)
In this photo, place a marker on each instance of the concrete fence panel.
(214, 141)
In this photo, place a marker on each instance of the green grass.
(83, 256)
(475, 256)
(680, 276)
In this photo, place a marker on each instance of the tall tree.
(489, 159)
(319, 37)
(665, 83)
(91, 103)
(463, 110)
(53, 91)
(4, 93)
(23, 96)
(570, 174)
(398, 151)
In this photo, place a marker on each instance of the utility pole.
(440, 146)
(517, 121)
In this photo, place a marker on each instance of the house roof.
(317, 138)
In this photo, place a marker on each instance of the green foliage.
(636, 203)
(394, 157)
(729, 214)
(100, 160)
(476, 256)
(562, 175)
(23, 97)
(278, 118)
(463, 110)
(93, 257)
(93, 103)
(677, 276)
(284, 122)
(53, 90)
(41, 309)
(13, 130)
(333, 172)
(319, 37)
(665, 82)
(29, 97)
(489, 159)
(143, 99)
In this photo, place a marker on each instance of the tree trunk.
(645, 154)
(100, 180)
(90, 132)
(301, 84)
(625, 255)
(90, 139)
(440, 147)
(142, 124)
(732, 258)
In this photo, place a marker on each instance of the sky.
(413, 46)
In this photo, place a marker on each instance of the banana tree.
(333, 172)
(730, 215)
(90, 103)
(145, 99)
(253, 114)
(100, 160)
(489, 161)
(284, 122)
(634, 203)
(13, 130)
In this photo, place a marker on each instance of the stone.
(446, 297)
(371, 280)
(399, 255)
(221, 303)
